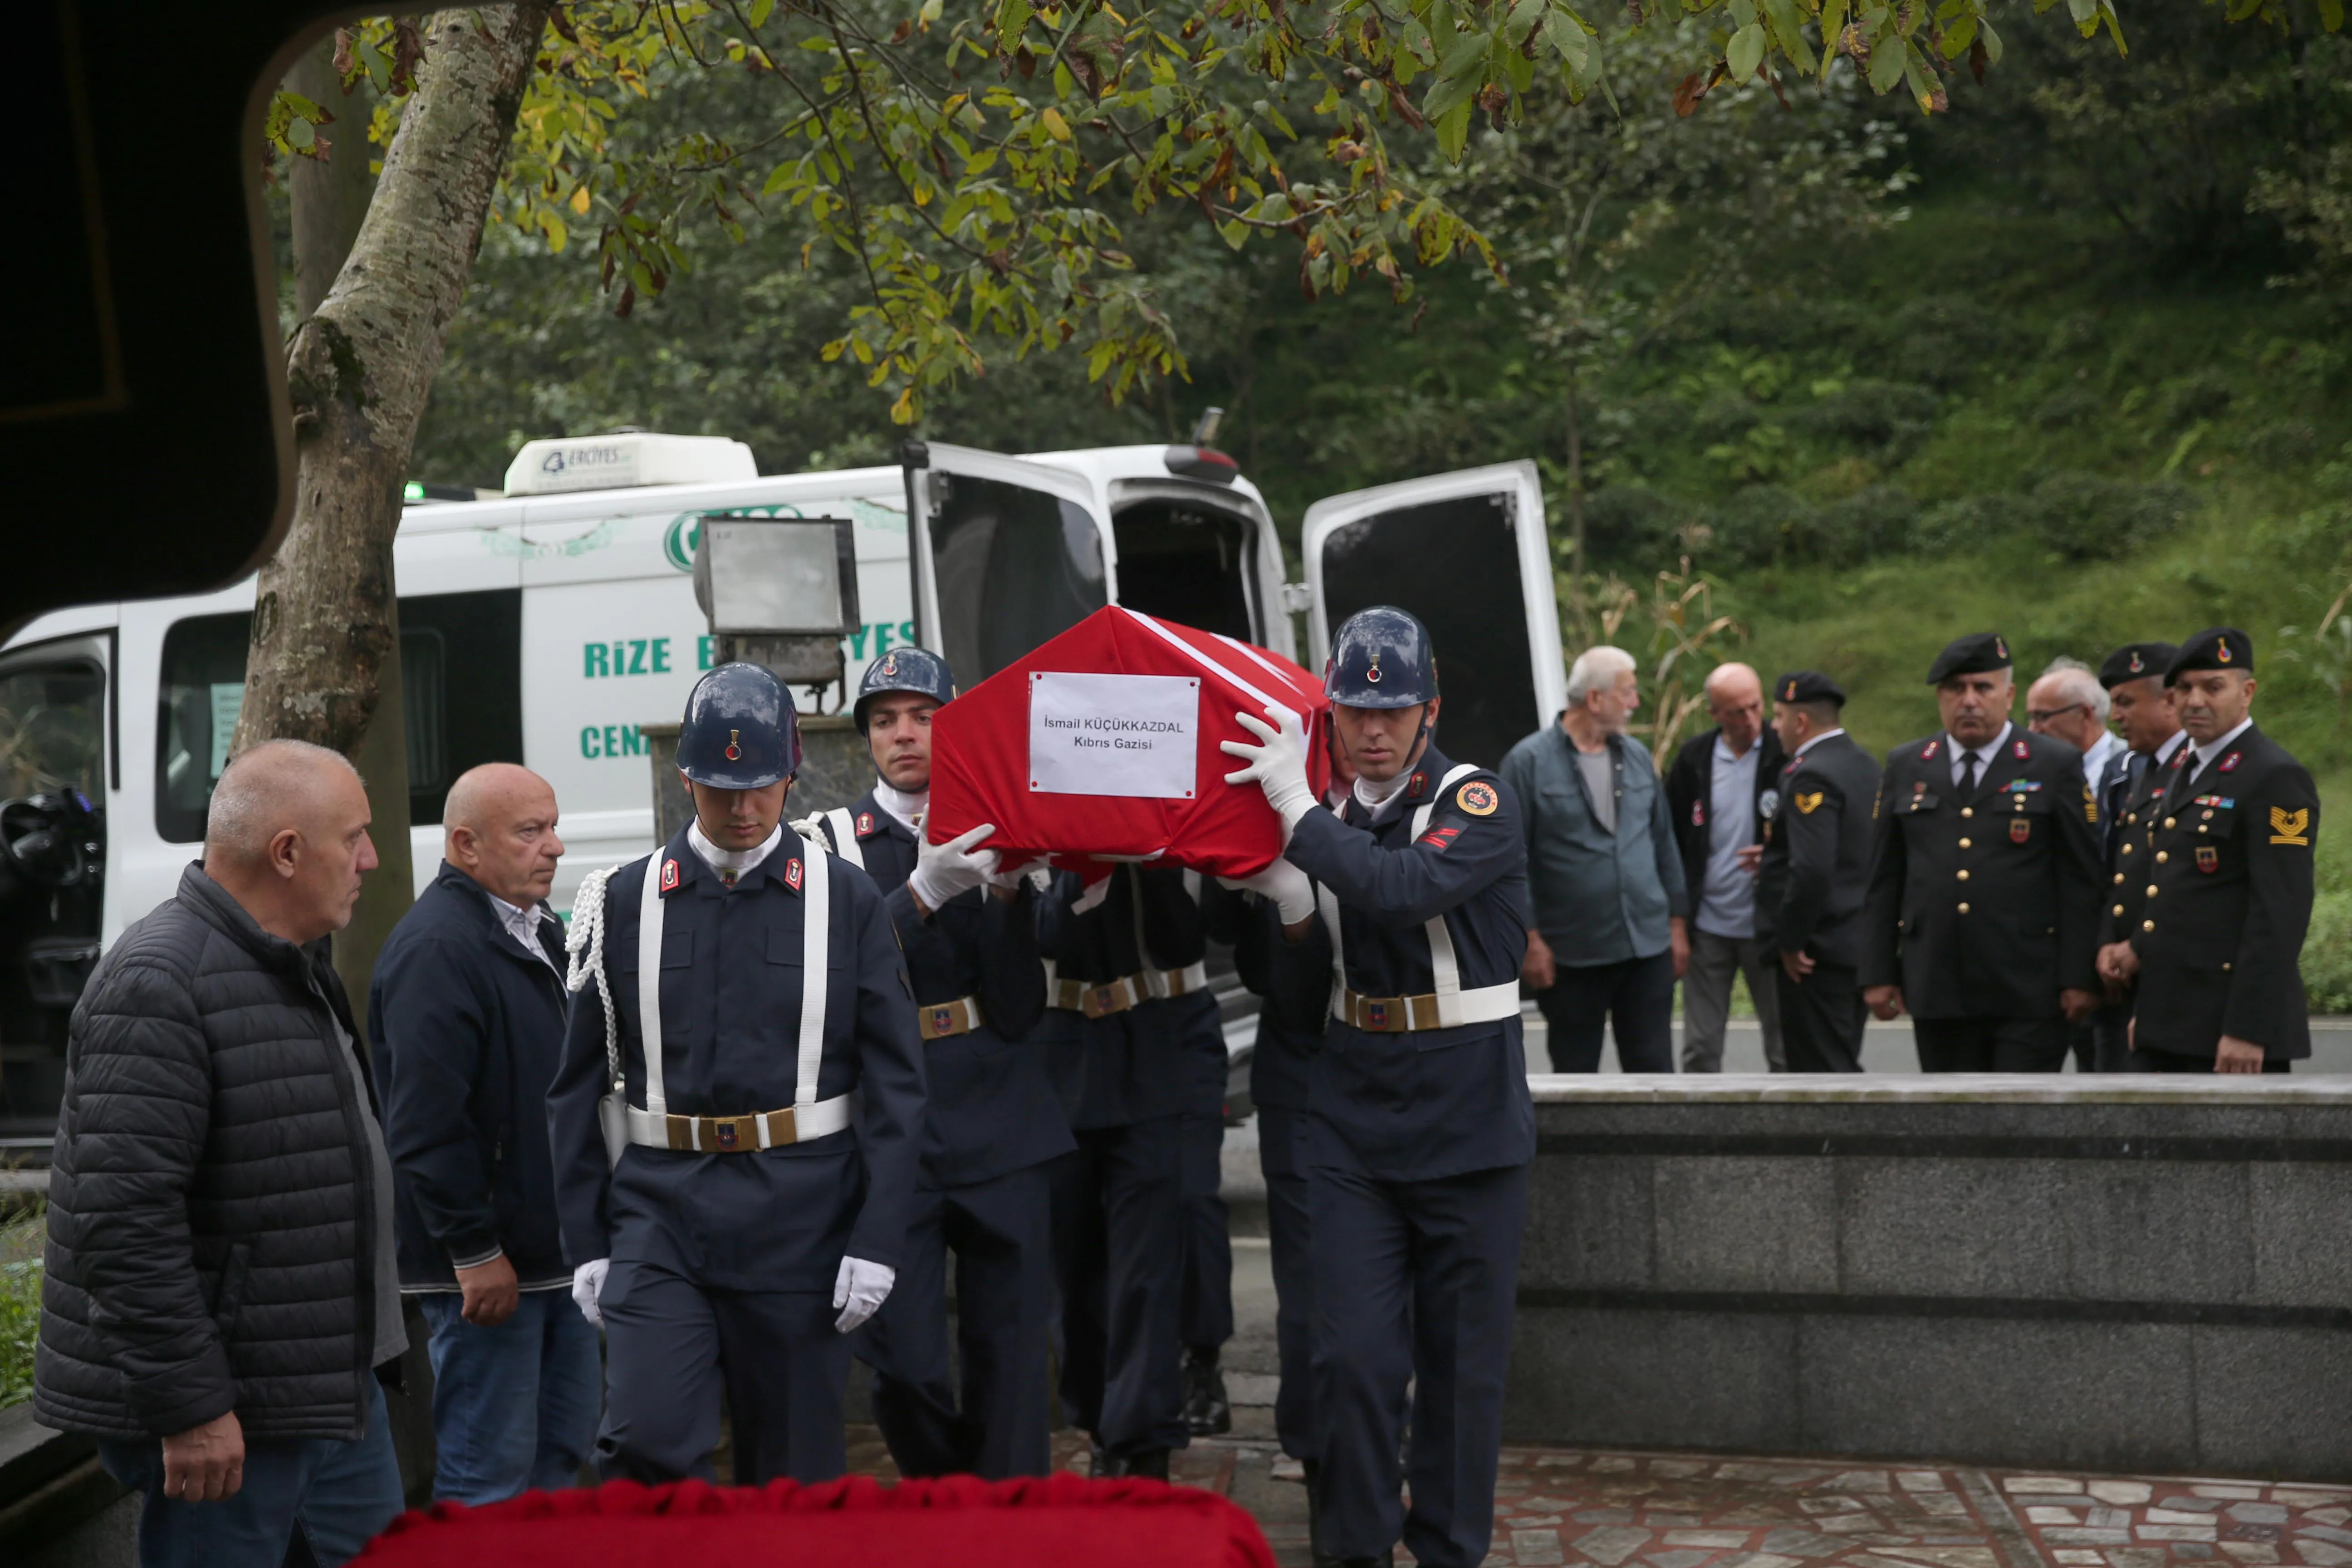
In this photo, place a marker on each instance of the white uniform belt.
(939, 1020)
(1410, 1014)
(1100, 998)
(742, 1134)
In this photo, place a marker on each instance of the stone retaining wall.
(2146, 1275)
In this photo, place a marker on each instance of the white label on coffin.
(1134, 735)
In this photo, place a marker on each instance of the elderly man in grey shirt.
(1714, 790)
(1610, 934)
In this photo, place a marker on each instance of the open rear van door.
(1006, 555)
(1466, 552)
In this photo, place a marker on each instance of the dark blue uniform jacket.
(1289, 1026)
(1437, 1102)
(992, 1110)
(1123, 1068)
(773, 1219)
(467, 1029)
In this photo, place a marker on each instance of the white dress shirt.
(1984, 754)
(2219, 747)
(521, 924)
(2102, 752)
(730, 863)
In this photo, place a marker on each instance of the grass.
(21, 1237)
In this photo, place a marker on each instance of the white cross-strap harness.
(653, 1126)
(1449, 1006)
(844, 834)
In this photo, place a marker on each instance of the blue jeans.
(342, 1492)
(514, 1406)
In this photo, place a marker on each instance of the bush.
(1890, 417)
(1763, 523)
(2086, 517)
(1962, 522)
(20, 1306)
(2327, 954)
(1872, 522)
(1945, 337)
(1630, 523)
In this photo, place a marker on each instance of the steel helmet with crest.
(740, 730)
(1381, 658)
(913, 670)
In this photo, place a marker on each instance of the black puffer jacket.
(212, 1201)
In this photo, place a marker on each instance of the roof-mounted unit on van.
(1201, 463)
(624, 458)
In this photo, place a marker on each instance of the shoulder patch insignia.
(668, 875)
(865, 825)
(1440, 838)
(1806, 803)
(2228, 765)
(793, 874)
(1794, 763)
(1477, 798)
(2020, 750)
(2291, 826)
(1698, 814)
(1417, 786)
(1928, 755)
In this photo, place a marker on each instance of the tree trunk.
(360, 367)
(329, 200)
(1576, 516)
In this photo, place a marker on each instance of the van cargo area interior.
(1187, 561)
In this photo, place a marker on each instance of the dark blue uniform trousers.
(1208, 1316)
(1282, 1155)
(1118, 1261)
(1001, 1232)
(1414, 1283)
(673, 1346)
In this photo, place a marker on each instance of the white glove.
(1281, 884)
(587, 1284)
(943, 870)
(859, 1290)
(1278, 767)
(1039, 867)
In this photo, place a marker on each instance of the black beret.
(2136, 661)
(2222, 647)
(1807, 685)
(1976, 654)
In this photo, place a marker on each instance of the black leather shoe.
(1152, 1463)
(1208, 1413)
(1315, 1555)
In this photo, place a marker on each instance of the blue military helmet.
(1381, 658)
(740, 731)
(915, 669)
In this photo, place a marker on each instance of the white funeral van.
(547, 625)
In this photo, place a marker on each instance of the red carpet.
(1056, 1521)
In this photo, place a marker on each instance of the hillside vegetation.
(2035, 369)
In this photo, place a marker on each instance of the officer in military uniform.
(992, 1125)
(1119, 953)
(1984, 912)
(735, 1143)
(1422, 1125)
(2148, 722)
(1815, 874)
(2227, 850)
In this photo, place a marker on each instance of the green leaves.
(1745, 52)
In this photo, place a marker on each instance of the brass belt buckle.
(729, 1134)
(782, 1128)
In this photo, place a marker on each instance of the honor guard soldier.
(1815, 875)
(2226, 848)
(992, 1123)
(1421, 1124)
(1983, 913)
(2148, 722)
(1119, 953)
(735, 1122)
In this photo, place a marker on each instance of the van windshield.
(1012, 567)
(1186, 563)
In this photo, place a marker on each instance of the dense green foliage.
(2028, 365)
(20, 1302)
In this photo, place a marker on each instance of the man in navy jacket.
(466, 1013)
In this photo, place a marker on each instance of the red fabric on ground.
(1060, 1520)
(980, 753)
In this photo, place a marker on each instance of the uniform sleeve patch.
(1477, 798)
(1440, 837)
(2291, 826)
(1807, 803)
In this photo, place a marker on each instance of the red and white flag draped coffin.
(1104, 743)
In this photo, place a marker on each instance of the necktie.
(1968, 774)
